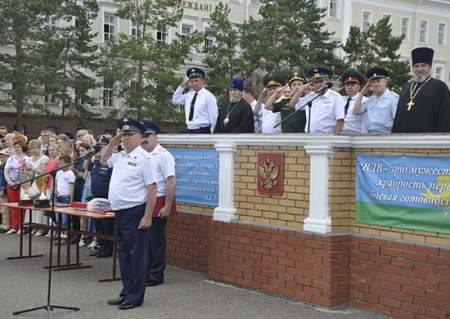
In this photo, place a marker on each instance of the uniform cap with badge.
(377, 73)
(296, 77)
(272, 79)
(150, 127)
(352, 76)
(103, 140)
(318, 73)
(195, 73)
(130, 125)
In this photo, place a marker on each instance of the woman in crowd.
(52, 164)
(14, 165)
(65, 147)
(37, 163)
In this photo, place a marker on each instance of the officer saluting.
(200, 105)
(132, 194)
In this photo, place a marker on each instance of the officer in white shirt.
(352, 81)
(165, 202)
(132, 194)
(200, 105)
(272, 82)
(326, 114)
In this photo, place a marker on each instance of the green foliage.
(47, 59)
(377, 47)
(143, 67)
(290, 35)
(21, 31)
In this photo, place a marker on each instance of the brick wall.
(400, 278)
(288, 209)
(393, 276)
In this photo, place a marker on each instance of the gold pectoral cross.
(410, 104)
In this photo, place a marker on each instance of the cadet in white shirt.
(165, 202)
(326, 114)
(200, 105)
(352, 81)
(132, 194)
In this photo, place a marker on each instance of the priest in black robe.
(424, 103)
(236, 116)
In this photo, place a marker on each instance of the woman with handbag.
(36, 164)
(14, 165)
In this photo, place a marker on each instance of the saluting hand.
(366, 88)
(116, 140)
(185, 83)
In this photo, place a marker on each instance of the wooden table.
(70, 211)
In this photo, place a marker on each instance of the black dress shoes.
(128, 305)
(103, 254)
(116, 301)
(152, 283)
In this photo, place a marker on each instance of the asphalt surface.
(184, 295)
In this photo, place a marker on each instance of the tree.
(222, 57)
(143, 66)
(22, 32)
(377, 47)
(72, 74)
(290, 35)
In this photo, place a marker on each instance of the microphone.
(323, 89)
(92, 151)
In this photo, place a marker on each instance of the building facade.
(423, 22)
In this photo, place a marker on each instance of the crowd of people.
(311, 106)
(131, 171)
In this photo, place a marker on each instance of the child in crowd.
(65, 184)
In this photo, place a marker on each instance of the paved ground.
(185, 294)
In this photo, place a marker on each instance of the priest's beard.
(235, 99)
(420, 77)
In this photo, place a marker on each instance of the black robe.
(430, 112)
(240, 119)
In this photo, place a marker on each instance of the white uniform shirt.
(380, 112)
(205, 108)
(165, 163)
(354, 124)
(268, 120)
(325, 111)
(256, 119)
(130, 178)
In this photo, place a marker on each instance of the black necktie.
(191, 111)
(347, 105)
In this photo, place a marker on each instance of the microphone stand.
(301, 108)
(49, 307)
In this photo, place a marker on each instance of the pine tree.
(377, 47)
(143, 66)
(72, 73)
(22, 32)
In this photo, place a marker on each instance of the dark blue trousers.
(132, 248)
(157, 253)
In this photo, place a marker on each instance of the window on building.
(49, 98)
(423, 29)
(162, 34)
(367, 20)
(439, 71)
(52, 23)
(79, 96)
(405, 27)
(333, 8)
(133, 29)
(186, 31)
(209, 40)
(442, 33)
(109, 26)
(254, 2)
(108, 93)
